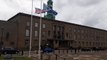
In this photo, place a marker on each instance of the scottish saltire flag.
(38, 11)
(48, 9)
(44, 6)
(53, 12)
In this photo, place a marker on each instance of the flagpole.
(30, 45)
(39, 51)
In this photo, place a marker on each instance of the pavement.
(102, 55)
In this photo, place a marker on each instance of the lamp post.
(31, 23)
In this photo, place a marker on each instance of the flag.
(53, 12)
(48, 9)
(44, 6)
(38, 11)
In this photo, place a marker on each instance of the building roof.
(2, 21)
(57, 21)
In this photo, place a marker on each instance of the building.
(3, 32)
(58, 34)
(15, 33)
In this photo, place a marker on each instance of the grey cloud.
(85, 12)
(84, 2)
(12, 3)
(102, 25)
(10, 8)
(92, 21)
(87, 2)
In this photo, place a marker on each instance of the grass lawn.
(22, 58)
(1, 58)
(18, 58)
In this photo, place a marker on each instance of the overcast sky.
(84, 12)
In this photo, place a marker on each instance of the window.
(90, 43)
(43, 34)
(79, 42)
(83, 43)
(7, 35)
(56, 42)
(12, 43)
(74, 30)
(62, 28)
(48, 33)
(2, 43)
(58, 35)
(44, 26)
(67, 35)
(58, 28)
(35, 43)
(36, 24)
(27, 32)
(26, 42)
(28, 23)
(54, 27)
(36, 33)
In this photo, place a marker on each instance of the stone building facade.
(58, 34)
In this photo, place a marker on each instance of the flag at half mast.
(45, 9)
(38, 11)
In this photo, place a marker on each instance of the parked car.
(9, 51)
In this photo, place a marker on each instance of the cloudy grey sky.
(85, 12)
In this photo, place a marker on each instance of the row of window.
(28, 33)
(60, 35)
(58, 28)
(91, 43)
(36, 24)
(36, 33)
(86, 34)
(58, 32)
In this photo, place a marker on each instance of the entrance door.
(63, 44)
